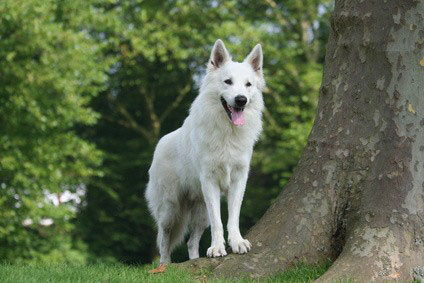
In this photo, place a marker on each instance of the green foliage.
(49, 72)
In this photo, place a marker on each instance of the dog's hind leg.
(163, 240)
(166, 221)
(172, 226)
(198, 223)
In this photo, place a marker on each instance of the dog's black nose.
(240, 100)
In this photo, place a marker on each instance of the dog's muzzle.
(235, 113)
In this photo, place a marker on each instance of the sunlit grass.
(124, 273)
(89, 273)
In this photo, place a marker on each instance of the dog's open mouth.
(235, 114)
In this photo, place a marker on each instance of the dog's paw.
(240, 246)
(216, 251)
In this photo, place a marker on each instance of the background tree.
(357, 194)
(161, 48)
(49, 71)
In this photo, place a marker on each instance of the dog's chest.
(224, 176)
(227, 150)
(226, 162)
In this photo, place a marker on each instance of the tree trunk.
(357, 195)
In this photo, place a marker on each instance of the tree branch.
(176, 103)
(156, 124)
(129, 121)
(137, 128)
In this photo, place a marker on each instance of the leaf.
(411, 108)
(160, 269)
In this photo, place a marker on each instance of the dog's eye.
(248, 84)
(228, 82)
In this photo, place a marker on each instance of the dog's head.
(236, 85)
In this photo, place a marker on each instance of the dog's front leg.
(235, 198)
(211, 194)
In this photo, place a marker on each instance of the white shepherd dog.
(209, 155)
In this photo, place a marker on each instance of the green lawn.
(122, 273)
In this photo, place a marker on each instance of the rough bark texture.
(357, 194)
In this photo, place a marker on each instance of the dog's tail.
(178, 232)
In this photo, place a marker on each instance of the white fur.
(208, 156)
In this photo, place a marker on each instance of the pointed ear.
(255, 59)
(219, 55)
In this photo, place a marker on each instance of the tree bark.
(357, 194)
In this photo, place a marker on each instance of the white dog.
(209, 155)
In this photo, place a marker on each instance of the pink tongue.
(237, 117)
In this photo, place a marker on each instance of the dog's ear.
(219, 55)
(255, 59)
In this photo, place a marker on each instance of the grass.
(122, 273)
(301, 273)
(89, 273)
